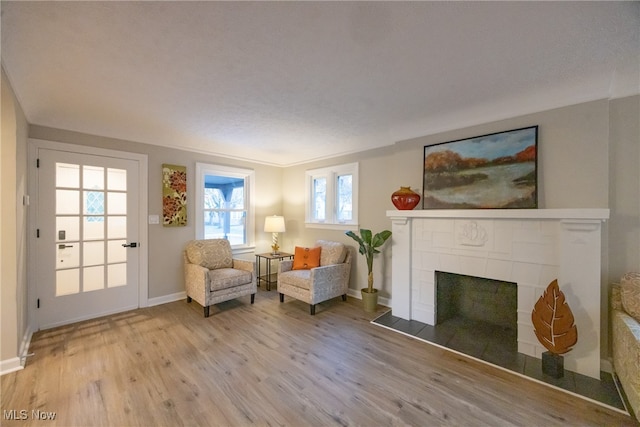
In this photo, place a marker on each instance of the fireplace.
(527, 247)
(476, 299)
(477, 316)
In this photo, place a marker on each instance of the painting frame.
(494, 171)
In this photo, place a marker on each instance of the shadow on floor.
(487, 342)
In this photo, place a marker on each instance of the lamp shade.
(274, 224)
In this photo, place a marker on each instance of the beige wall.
(166, 243)
(377, 182)
(13, 250)
(624, 187)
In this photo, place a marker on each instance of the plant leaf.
(553, 321)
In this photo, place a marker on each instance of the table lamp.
(274, 225)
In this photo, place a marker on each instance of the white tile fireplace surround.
(530, 247)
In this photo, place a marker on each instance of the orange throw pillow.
(306, 258)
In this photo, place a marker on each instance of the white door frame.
(143, 178)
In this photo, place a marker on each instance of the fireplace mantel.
(529, 247)
(593, 214)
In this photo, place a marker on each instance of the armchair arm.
(195, 281)
(241, 264)
(285, 265)
(329, 280)
(616, 299)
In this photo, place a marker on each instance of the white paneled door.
(87, 236)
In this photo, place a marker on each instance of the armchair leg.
(188, 298)
(281, 297)
(344, 297)
(253, 298)
(206, 311)
(312, 309)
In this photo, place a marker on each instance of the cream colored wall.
(624, 187)
(166, 243)
(376, 184)
(13, 294)
(573, 167)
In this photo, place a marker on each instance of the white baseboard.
(167, 299)
(10, 365)
(17, 363)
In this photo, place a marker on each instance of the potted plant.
(369, 245)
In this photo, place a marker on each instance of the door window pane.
(67, 202)
(117, 203)
(93, 177)
(67, 175)
(117, 275)
(93, 227)
(93, 253)
(93, 278)
(70, 228)
(116, 252)
(116, 227)
(94, 203)
(67, 282)
(116, 179)
(67, 256)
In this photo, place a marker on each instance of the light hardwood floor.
(270, 364)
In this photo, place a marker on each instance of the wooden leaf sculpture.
(553, 321)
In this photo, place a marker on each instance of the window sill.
(325, 226)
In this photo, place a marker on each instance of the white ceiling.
(284, 83)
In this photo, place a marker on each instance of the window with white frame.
(332, 197)
(224, 208)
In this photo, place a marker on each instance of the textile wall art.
(174, 195)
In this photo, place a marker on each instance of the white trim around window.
(203, 169)
(325, 206)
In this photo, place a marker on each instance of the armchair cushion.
(306, 258)
(210, 254)
(224, 278)
(331, 252)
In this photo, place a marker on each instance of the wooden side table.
(268, 257)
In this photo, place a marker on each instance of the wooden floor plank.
(270, 363)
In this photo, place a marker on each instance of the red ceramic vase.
(405, 199)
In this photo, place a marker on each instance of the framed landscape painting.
(495, 171)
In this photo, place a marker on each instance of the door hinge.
(37, 163)
(38, 303)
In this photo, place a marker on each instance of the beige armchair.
(212, 275)
(329, 280)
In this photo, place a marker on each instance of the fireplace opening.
(477, 316)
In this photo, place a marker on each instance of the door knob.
(130, 245)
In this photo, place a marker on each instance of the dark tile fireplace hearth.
(486, 342)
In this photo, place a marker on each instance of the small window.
(332, 197)
(224, 209)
